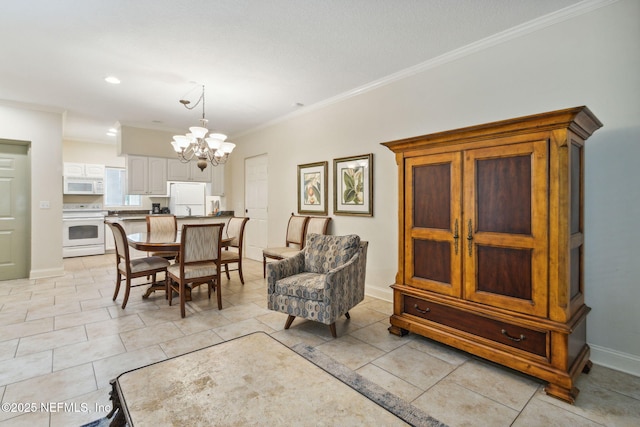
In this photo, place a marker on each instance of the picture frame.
(353, 185)
(312, 188)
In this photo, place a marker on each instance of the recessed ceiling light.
(111, 133)
(112, 79)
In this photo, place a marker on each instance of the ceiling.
(259, 60)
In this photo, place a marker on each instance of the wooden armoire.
(491, 243)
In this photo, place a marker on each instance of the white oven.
(82, 230)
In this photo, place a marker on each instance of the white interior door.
(256, 182)
(14, 211)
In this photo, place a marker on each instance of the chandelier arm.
(196, 104)
(212, 158)
(201, 99)
(186, 155)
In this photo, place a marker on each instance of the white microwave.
(76, 185)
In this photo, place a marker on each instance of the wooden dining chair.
(128, 268)
(162, 223)
(317, 225)
(294, 241)
(235, 232)
(313, 225)
(198, 263)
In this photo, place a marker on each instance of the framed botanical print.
(353, 185)
(312, 188)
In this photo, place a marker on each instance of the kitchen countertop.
(142, 218)
(141, 215)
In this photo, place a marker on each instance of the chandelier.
(196, 145)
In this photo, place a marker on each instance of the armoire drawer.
(525, 339)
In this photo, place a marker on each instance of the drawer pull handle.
(506, 334)
(426, 310)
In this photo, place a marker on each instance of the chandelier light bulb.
(214, 143)
(198, 132)
(227, 147)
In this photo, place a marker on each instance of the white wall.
(591, 59)
(88, 152)
(43, 131)
(145, 142)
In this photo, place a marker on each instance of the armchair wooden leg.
(226, 270)
(168, 285)
(289, 321)
(332, 327)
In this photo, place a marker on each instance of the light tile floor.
(62, 340)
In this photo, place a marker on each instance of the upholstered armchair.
(322, 282)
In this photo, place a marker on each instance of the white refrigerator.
(187, 199)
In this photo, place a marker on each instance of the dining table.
(161, 241)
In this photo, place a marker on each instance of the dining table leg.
(160, 286)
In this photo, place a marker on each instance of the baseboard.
(45, 273)
(385, 294)
(624, 362)
(617, 360)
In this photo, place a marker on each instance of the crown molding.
(537, 24)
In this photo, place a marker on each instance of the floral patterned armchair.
(322, 282)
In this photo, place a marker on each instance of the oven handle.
(83, 219)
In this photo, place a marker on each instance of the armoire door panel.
(505, 213)
(504, 187)
(504, 271)
(432, 206)
(432, 215)
(432, 260)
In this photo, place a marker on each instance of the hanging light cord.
(186, 103)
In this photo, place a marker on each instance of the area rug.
(263, 350)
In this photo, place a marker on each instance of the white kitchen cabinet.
(146, 175)
(93, 171)
(83, 170)
(73, 169)
(217, 181)
(187, 172)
